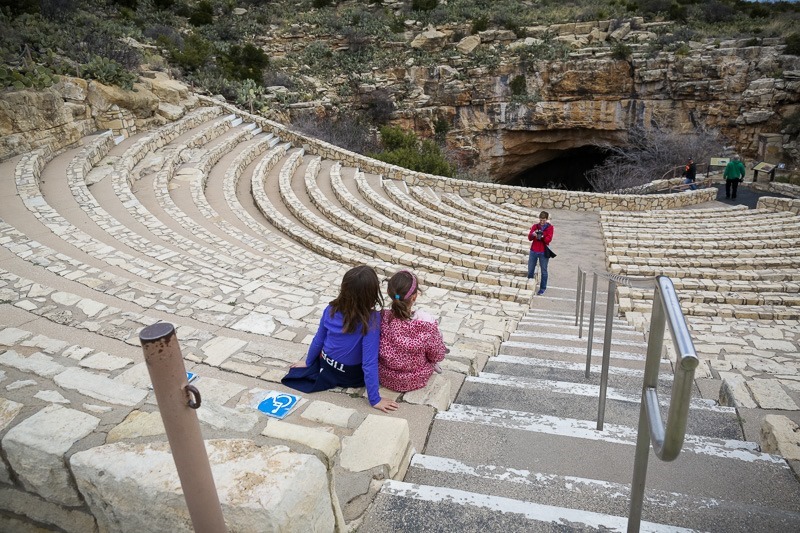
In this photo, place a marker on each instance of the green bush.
(245, 62)
(424, 5)
(479, 24)
(109, 72)
(621, 51)
(519, 86)
(793, 44)
(405, 150)
(203, 14)
(196, 52)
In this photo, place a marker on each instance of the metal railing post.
(578, 296)
(583, 301)
(654, 346)
(667, 442)
(610, 298)
(590, 342)
(177, 401)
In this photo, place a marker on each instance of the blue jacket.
(349, 348)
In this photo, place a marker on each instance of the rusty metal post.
(176, 402)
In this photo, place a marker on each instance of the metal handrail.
(667, 441)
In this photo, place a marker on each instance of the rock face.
(135, 488)
(72, 108)
(585, 83)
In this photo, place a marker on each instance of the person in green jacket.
(734, 172)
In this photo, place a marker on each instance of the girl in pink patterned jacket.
(411, 345)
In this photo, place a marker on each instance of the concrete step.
(402, 506)
(576, 495)
(551, 369)
(707, 467)
(580, 401)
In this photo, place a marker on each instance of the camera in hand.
(539, 233)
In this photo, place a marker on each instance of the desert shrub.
(196, 52)
(791, 123)
(273, 78)
(715, 12)
(793, 44)
(109, 72)
(245, 62)
(350, 131)
(440, 128)
(648, 154)
(380, 106)
(518, 86)
(424, 5)
(57, 9)
(479, 24)
(164, 36)
(621, 51)
(405, 150)
(202, 14)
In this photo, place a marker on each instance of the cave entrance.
(565, 170)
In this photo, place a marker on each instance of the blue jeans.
(690, 183)
(543, 260)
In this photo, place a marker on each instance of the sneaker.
(541, 291)
(437, 368)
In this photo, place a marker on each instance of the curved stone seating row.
(430, 199)
(87, 415)
(370, 240)
(442, 218)
(135, 241)
(522, 215)
(674, 215)
(731, 262)
(417, 243)
(787, 239)
(719, 269)
(438, 240)
(27, 187)
(624, 254)
(347, 255)
(143, 294)
(674, 272)
(402, 215)
(473, 212)
(162, 136)
(761, 218)
(749, 297)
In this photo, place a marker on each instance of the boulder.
(135, 488)
(468, 44)
(141, 101)
(430, 40)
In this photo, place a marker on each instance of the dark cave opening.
(565, 171)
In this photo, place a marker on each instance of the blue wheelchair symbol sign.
(279, 405)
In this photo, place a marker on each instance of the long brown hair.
(359, 293)
(401, 288)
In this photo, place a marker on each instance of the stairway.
(519, 449)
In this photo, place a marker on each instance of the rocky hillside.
(501, 90)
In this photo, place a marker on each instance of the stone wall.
(779, 204)
(522, 196)
(72, 108)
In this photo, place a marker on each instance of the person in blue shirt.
(344, 351)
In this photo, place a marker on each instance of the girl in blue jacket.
(344, 351)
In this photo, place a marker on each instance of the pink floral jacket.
(408, 350)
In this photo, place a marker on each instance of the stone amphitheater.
(237, 231)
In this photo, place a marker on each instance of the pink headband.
(413, 286)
